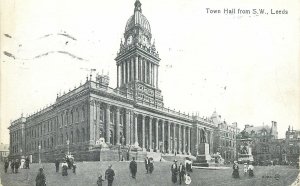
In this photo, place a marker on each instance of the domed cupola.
(138, 24)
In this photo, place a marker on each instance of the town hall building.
(132, 115)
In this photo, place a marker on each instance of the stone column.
(179, 139)
(136, 143)
(150, 134)
(189, 141)
(184, 141)
(174, 137)
(128, 71)
(142, 69)
(118, 125)
(163, 136)
(131, 128)
(143, 131)
(92, 121)
(136, 68)
(107, 123)
(127, 127)
(156, 76)
(117, 75)
(169, 137)
(151, 74)
(156, 136)
(132, 69)
(124, 73)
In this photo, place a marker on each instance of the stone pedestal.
(202, 160)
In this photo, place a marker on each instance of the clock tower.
(138, 61)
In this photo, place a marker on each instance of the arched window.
(83, 113)
(76, 115)
(61, 139)
(72, 117)
(71, 136)
(83, 135)
(77, 135)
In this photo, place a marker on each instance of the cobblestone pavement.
(87, 173)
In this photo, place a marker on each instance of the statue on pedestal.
(203, 135)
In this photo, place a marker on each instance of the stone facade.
(225, 138)
(132, 115)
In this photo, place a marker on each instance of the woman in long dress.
(40, 179)
(174, 171)
(235, 173)
(250, 170)
(64, 166)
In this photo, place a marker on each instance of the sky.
(244, 66)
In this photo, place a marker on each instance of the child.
(100, 180)
(188, 179)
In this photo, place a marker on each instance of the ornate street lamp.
(39, 154)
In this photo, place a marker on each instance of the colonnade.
(137, 68)
(131, 127)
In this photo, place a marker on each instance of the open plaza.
(88, 172)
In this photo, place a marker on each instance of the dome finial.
(137, 6)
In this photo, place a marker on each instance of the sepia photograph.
(158, 93)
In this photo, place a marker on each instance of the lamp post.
(68, 143)
(39, 154)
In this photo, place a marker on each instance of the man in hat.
(174, 171)
(109, 175)
(6, 164)
(57, 165)
(133, 167)
(147, 164)
(181, 170)
(40, 179)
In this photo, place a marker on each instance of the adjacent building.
(225, 138)
(4, 151)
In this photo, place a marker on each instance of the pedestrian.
(151, 165)
(27, 161)
(174, 171)
(181, 171)
(12, 166)
(109, 175)
(251, 170)
(235, 172)
(245, 169)
(40, 179)
(74, 168)
(57, 165)
(64, 171)
(188, 164)
(6, 164)
(17, 165)
(147, 164)
(133, 167)
(100, 180)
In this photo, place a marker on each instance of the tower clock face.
(144, 40)
(129, 40)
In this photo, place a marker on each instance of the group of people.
(149, 165)
(109, 176)
(181, 172)
(248, 170)
(14, 165)
(65, 166)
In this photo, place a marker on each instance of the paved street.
(87, 173)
